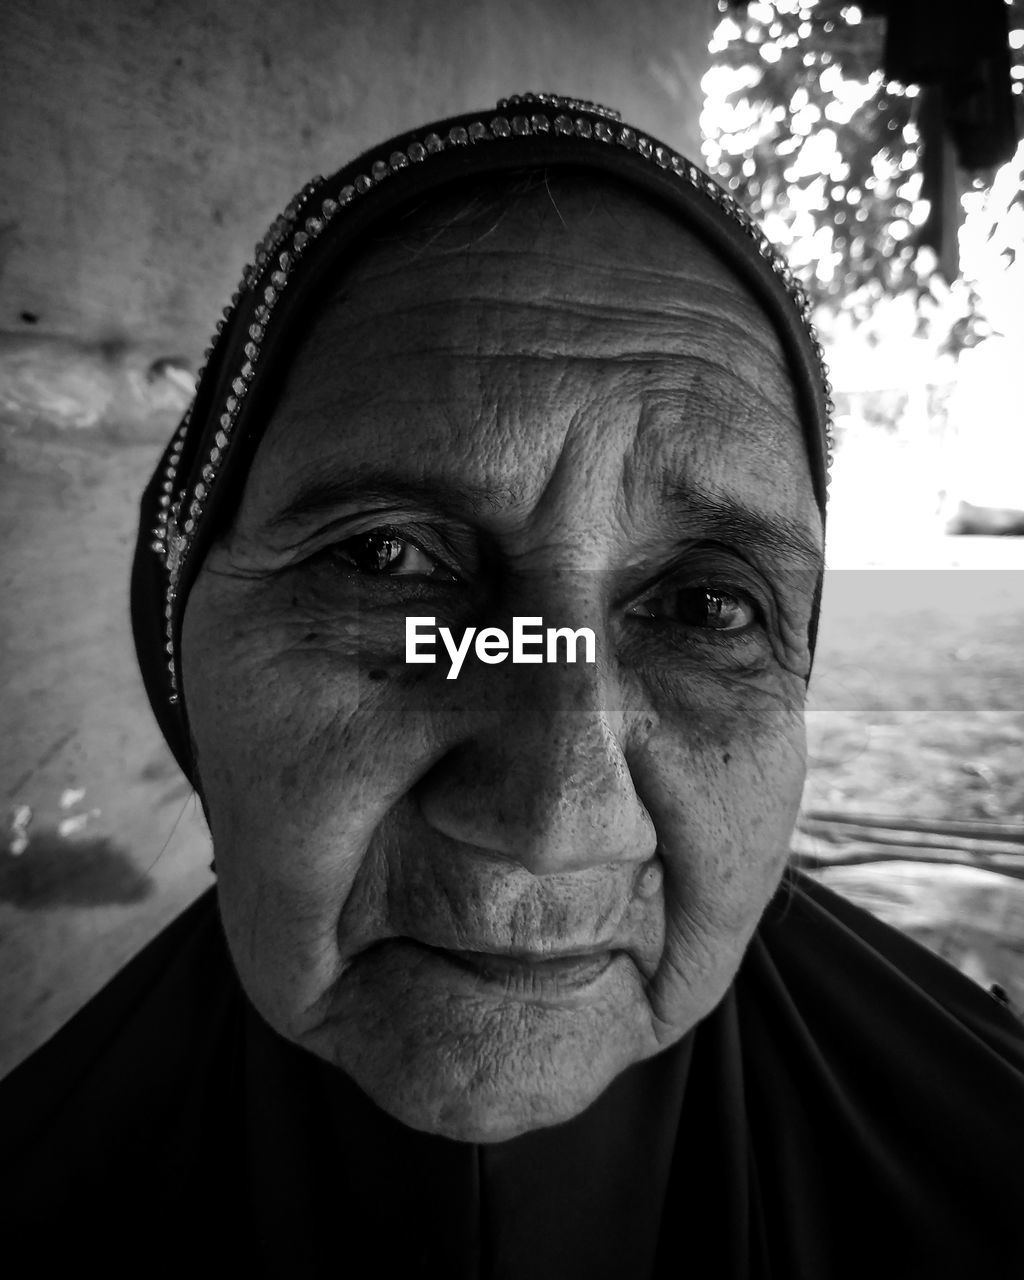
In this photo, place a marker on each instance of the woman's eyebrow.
(719, 515)
(319, 496)
(715, 513)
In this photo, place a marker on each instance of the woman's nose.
(546, 782)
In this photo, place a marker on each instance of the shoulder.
(837, 955)
(124, 1088)
(157, 988)
(884, 1090)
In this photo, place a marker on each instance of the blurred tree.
(803, 126)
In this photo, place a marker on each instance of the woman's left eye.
(385, 553)
(709, 607)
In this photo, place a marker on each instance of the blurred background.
(144, 149)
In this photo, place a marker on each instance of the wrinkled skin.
(578, 387)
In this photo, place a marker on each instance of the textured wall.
(143, 149)
(146, 145)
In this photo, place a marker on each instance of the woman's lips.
(568, 968)
(525, 974)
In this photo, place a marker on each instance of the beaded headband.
(323, 221)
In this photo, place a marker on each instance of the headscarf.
(202, 471)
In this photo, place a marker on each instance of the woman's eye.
(385, 553)
(707, 607)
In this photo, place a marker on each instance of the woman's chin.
(484, 1113)
(483, 1068)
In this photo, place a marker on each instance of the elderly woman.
(504, 974)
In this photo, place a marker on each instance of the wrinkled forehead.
(620, 275)
(560, 296)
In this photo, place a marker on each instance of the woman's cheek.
(288, 741)
(723, 789)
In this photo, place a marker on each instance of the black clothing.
(854, 1107)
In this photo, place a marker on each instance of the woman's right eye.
(707, 607)
(386, 553)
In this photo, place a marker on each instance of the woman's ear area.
(196, 779)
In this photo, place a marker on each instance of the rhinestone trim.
(556, 101)
(290, 234)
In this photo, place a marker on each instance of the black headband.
(204, 467)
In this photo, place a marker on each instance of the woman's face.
(485, 897)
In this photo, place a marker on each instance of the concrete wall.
(143, 149)
(146, 145)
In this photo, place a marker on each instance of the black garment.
(853, 1108)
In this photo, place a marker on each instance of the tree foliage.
(801, 125)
